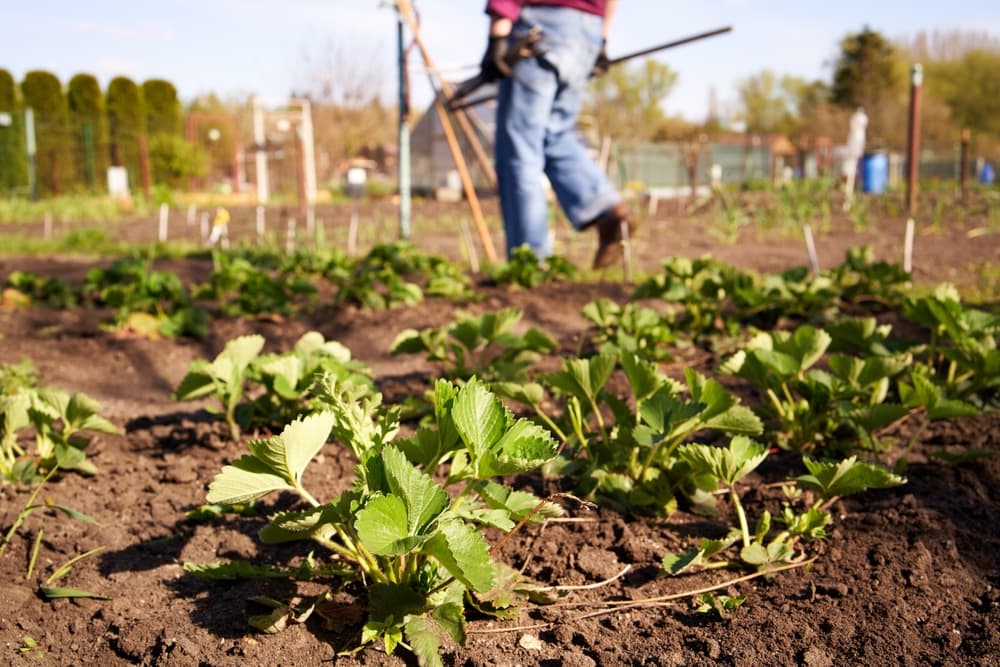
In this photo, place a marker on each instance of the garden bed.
(907, 575)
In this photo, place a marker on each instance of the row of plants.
(415, 538)
(415, 549)
(707, 298)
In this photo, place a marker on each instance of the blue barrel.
(987, 175)
(874, 173)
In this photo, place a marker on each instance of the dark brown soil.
(908, 576)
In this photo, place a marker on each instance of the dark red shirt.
(512, 8)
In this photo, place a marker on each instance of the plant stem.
(744, 528)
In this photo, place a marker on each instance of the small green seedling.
(722, 605)
(29, 646)
(50, 592)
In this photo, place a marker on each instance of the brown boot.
(609, 234)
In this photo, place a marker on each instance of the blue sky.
(238, 47)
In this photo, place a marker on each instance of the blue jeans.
(536, 130)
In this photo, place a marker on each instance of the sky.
(240, 47)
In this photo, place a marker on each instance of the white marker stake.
(48, 226)
(626, 251)
(811, 248)
(261, 222)
(191, 214)
(908, 246)
(290, 236)
(469, 245)
(164, 222)
(352, 234)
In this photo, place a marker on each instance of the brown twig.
(646, 603)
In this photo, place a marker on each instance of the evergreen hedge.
(89, 124)
(55, 168)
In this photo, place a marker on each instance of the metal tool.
(520, 52)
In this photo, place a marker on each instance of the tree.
(174, 160)
(626, 104)
(163, 108)
(89, 125)
(13, 161)
(126, 123)
(43, 93)
(869, 74)
(864, 73)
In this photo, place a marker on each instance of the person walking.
(537, 108)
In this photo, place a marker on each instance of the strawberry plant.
(774, 540)
(59, 419)
(481, 345)
(290, 380)
(242, 289)
(393, 275)
(625, 455)
(629, 328)
(814, 409)
(963, 343)
(147, 301)
(524, 269)
(417, 551)
(52, 292)
(224, 379)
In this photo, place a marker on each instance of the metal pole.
(913, 151)
(32, 149)
(963, 174)
(88, 142)
(147, 177)
(405, 185)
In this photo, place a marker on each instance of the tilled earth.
(907, 576)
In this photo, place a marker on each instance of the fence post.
(913, 149)
(32, 148)
(88, 142)
(147, 184)
(963, 174)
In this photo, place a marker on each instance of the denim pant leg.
(522, 117)
(536, 130)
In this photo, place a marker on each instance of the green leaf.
(315, 523)
(244, 481)
(424, 499)
(383, 527)
(74, 514)
(584, 378)
(424, 637)
(463, 551)
(843, 478)
(642, 376)
(525, 446)
(480, 417)
(56, 593)
(288, 455)
(728, 465)
(408, 341)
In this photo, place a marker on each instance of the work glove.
(494, 65)
(602, 63)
